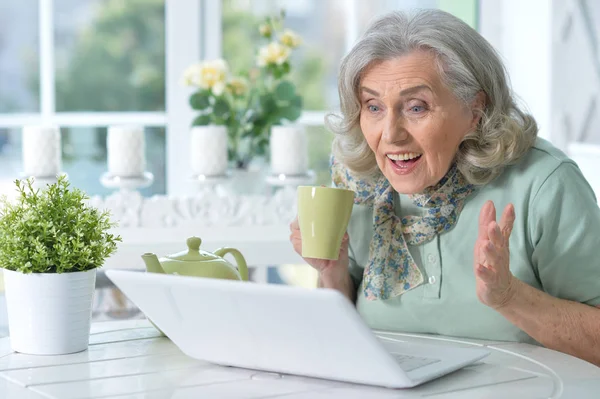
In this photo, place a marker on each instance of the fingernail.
(489, 245)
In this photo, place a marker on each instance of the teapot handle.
(239, 258)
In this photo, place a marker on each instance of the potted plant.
(215, 96)
(51, 242)
(245, 106)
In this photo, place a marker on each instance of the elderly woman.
(433, 144)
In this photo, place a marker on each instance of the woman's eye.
(373, 108)
(417, 109)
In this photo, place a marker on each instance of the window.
(109, 55)
(87, 64)
(19, 49)
(10, 158)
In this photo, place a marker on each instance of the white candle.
(41, 151)
(126, 150)
(208, 150)
(289, 150)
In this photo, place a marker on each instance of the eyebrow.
(404, 92)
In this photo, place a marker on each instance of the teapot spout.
(152, 263)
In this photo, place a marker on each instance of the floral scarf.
(392, 270)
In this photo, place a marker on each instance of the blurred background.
(87, 64)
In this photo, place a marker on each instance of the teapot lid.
(193, 254)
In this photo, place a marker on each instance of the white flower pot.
(289, 153)
(49, 313)
(208, 150)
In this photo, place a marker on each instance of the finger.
(495, 234)
(297, 244)
(294, 225)
(477, 253)
(345, 241)
(486, 215)
(481, 258)
(507, 222)
(295, 236)
(491, 255)
(484, 273)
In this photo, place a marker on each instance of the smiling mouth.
(404, 160)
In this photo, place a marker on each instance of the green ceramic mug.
(323, 216)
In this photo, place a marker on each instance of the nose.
(394, 129)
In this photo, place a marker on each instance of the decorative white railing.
(258, 225)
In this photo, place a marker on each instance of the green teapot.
(198, 263)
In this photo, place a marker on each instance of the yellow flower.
(273, 53)
(265, 30)
(208, 75)
(291, 39)
(237, 86)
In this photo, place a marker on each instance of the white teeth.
(403, 157)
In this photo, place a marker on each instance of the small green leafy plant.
(53, 230)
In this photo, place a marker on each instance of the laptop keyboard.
(409, 363)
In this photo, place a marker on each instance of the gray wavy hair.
(467, 64)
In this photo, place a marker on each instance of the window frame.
(193, 31)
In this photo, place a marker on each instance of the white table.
(128, 359)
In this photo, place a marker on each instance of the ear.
(477, 108)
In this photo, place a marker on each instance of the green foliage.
(53, 231)
(200, 100)
(267, 96)
(118, 62)
(285, 91)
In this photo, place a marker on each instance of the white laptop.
(278, 328)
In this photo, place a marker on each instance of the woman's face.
(411, 121)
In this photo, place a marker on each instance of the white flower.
(273, 53)
(208, 75)
(191, 75)
(290, 39)
(218, 88)
(238, 86)
(265, 30)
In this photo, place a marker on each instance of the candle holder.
(210, 184)
(127, 183)
(282, 180)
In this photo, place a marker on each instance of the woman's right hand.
(321, 265)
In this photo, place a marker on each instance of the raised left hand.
(495, 284)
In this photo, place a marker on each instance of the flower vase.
(288, 147)
(208, 150)
(49, 313)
